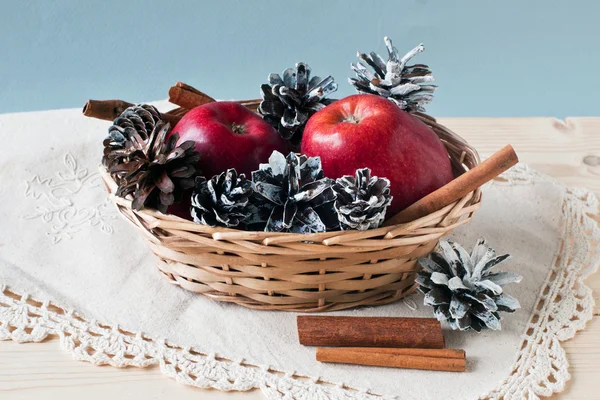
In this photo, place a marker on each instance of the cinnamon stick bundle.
(425, 359)
(370, 332)
(110, 109)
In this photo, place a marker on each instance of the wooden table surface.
(568, 150)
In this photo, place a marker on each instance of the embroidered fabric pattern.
(59, 205)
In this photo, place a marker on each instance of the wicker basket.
(294, 272)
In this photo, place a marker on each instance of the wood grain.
(43, 371)
(555, 147)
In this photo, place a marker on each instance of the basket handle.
(459, 187)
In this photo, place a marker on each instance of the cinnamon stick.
(110, 109)
(425, 359)
(370, 332)
(458, 188)
(179, 111)
(435, 353)
(188, 97)
(105, 109)
(251, 104)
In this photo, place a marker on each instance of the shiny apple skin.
(365, 130)
(210, 127)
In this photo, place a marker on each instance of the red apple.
(228, 135)
(365, 130)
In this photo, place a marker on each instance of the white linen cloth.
(62, 243)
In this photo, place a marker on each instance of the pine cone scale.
(327, 196)
(311, 190)
(289, 77)
(271, 192)
(378, 68)
(302, 74)
(185, 171)
(437, 297)
(457, 308)
(310, 221)
(274, 79)
(290, 209)
(276, 222)
(167, 198)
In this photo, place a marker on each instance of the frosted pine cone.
(462, 289)
(222, 200)
(362, 200)
(409, 86)
(297, 193)
(289, 101)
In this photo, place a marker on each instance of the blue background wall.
(490, 58)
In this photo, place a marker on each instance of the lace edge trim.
(565, 303)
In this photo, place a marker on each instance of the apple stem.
(353, 119)
(239, 129)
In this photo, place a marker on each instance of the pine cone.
(297, 192)
(361, 201)
(260, 210)
(222, 200)
(130, 132)
(289, 102)
(158, 172)
(409, 86)
(462, 289)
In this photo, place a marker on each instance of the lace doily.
(564, 305)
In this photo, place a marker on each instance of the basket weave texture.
(295, 272)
